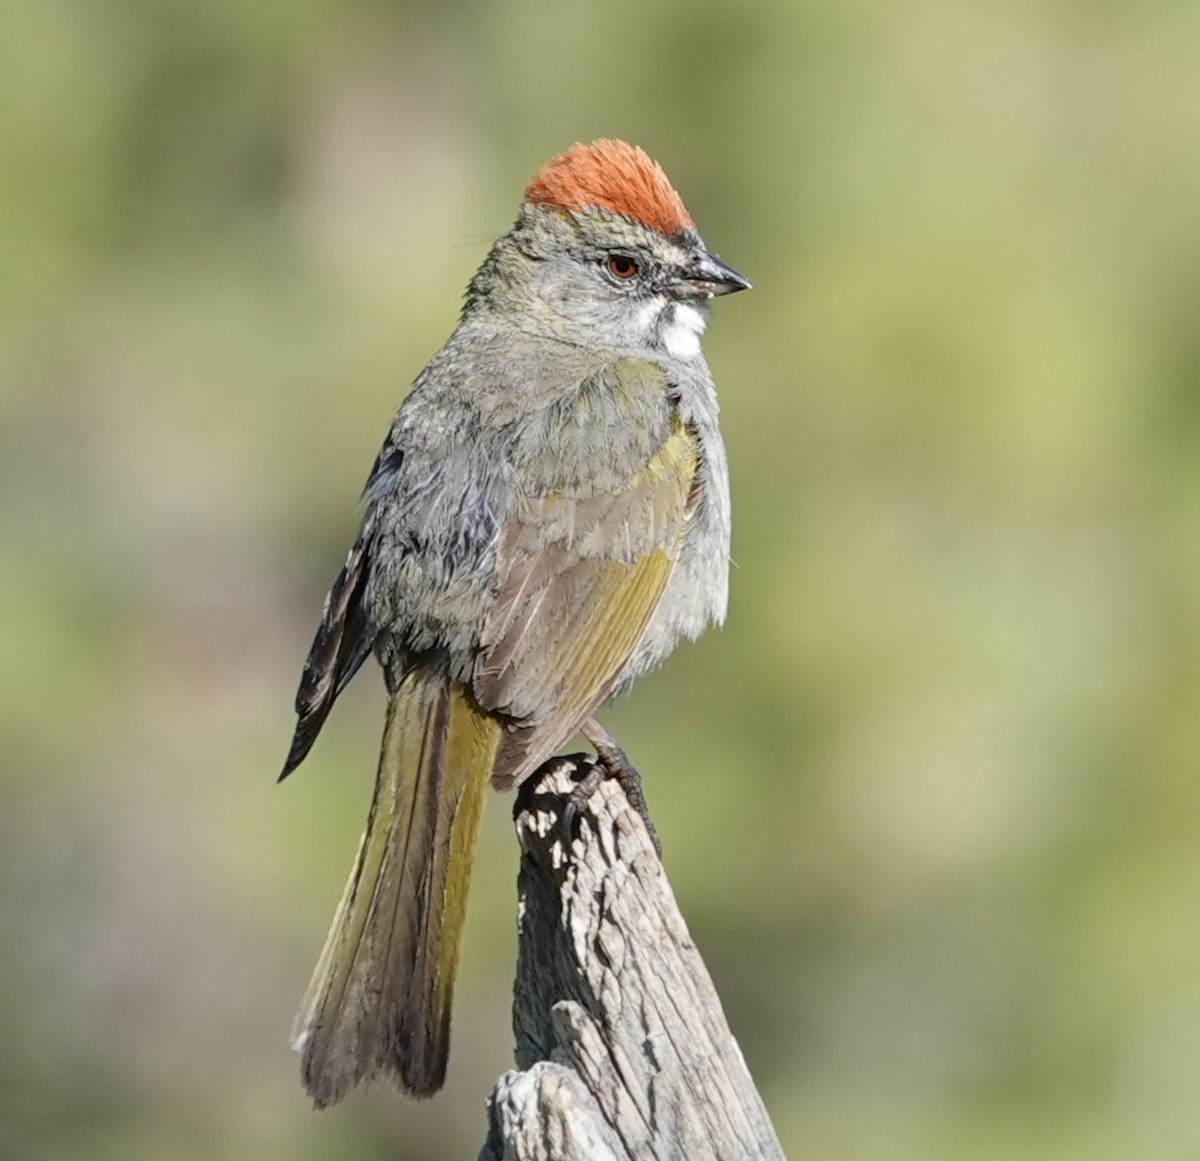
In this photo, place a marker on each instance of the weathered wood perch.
(622, 1047)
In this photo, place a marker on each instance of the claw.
(616, 764)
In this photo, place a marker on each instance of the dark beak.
(706, 278)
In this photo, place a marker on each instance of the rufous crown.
(614, 176)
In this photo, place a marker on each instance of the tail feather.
(380, 996)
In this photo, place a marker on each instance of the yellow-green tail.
(380, 996)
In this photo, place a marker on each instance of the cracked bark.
(622, 1048)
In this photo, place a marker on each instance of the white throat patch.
(678, 326)
(682, 330)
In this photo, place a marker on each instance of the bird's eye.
(622, 266)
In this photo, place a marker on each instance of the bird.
(548, 516)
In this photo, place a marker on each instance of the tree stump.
(622, 1049)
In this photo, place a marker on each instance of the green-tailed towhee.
(549, 514)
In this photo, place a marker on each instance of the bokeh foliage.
(930, 801)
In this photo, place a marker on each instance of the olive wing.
(581, 579)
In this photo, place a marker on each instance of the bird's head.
(605, 255)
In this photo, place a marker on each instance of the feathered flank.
(614, 176)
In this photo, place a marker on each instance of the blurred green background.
(930, 801)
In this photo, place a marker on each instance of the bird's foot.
(610, 762)
(589, 773)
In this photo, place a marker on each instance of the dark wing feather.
(341, 645)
